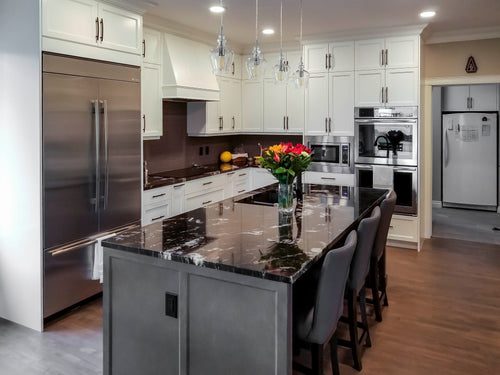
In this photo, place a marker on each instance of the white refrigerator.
(470, 160)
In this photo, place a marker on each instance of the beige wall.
(449, 59)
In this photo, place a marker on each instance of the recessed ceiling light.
(268, 31)
(428, 14)
(217, 9)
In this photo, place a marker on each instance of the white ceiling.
(323, 19)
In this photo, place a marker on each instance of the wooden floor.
(443, 318)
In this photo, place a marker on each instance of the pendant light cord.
(256, 22)
(281, 29)
(300, 39)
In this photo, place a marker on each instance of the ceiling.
(323, 19)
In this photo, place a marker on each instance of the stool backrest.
(386, 210)
(330, 293)
(360, 265)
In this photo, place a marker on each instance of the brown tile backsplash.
(175, 150)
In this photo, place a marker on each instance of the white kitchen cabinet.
(393, 87)
(329, 57)
(91, 29)
(152, 104)
(330, 104)
(283, 108)
(470, 98)
(230, 104)
(252, 106)
(178, 205)
(295, 109)
(156, 204)
(403, 228)
(322, 178)
(261, 177)
(152, 46)
(393, 52)
(237, 182)
(236, 68)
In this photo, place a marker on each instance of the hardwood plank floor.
(443, 319)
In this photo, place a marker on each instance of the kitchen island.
(210, 291)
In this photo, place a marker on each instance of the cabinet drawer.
(403, 228)
(155, 214)
(201, 200)
(241, 187)
(157, 197)
(204, 184)
(329, 178)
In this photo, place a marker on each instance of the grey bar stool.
(378, 276)
(316, 325)
(360, 267)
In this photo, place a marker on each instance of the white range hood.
(187, 74)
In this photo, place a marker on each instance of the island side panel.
(227, 322)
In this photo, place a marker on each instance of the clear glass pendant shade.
(255, 63)
(301, 76)
(281, 71)
(221, 56)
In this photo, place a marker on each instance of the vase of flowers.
(285, 161)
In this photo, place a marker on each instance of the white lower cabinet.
(322, 178)
(237, 182)
(261, 177)
(156, 204)
(178, 205)
(154, 214)
(202, 199)
(404, 228)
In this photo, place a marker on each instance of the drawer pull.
(159, 217)
(241, 191)
(391, 226)
(328, 178)
(207, 183)
(159, 195)
(241, 175)
(178, 186)
(230, 173)
(207, 202)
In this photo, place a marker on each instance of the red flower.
(277, 158)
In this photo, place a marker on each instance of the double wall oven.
(386, 152)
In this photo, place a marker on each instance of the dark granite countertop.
(156, 180)
(248, 235)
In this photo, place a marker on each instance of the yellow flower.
(276, 148)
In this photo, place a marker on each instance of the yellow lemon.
(225, 167)
(225, 157)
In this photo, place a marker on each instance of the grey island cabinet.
(210, 291)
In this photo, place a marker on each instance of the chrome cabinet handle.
(329, 124)
(241, 191)
(178, 186)
(220, 122)
(326, 61)
(106, 166)
(102, 29)
(386, 57)
(233, 68)
(383, 95)
(329, 61)
(328, 178)
(207, 202)
(97, 29)
(144, 48)
(284, 126)
(286, 122)
(97, 160)
(231, 173)
(159, 217)
(386, 94)
(381, 57)
(208, 183)
(242, 174)
(159, 195)
(326, 124)
(144, 123)
(234, 123)
(403, 169)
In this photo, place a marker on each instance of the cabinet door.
(152, 104)
(316, 106)
(342, 103)
(483, 97)
(293, 60)
(272, 59)
(178, 199)
(230, 104)
(316, 57)
(455, 98)
(295, 102)
(274, 106)
(251, 103)
(121, 30)
(236, 69)
(342, 56)
(236, 104)
(368, 54)
(402, 51)
(151, 49)
(73, 20)
(368, 87)
(402, 87)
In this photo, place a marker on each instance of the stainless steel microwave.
(331, 154)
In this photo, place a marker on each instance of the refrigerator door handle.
(74, 246)
(97, 159)
(106, 167)
(445, 151)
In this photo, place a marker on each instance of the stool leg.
(334, 355)
(375, 289)
(383, 278)
(353, 329)
(317, 359)
(362, 306)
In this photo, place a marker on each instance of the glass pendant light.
(255, 63)
(281, 69)
(221, 56)
(301, 75)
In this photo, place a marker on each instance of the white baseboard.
(402, 244)
(437, 204)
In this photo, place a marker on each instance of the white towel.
(98, 269)
(383, 177)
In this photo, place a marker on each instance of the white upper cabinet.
(316, 57)
(151, 46)
(74, 20)
(369, 54)
(332, 57)
(470, 98)
(342, 57)
(121, 30)
(91, 29)
(236, 68)
(252, 106)
(316, 105)
(401, 87)
(402, 52)
(368, 88)
(274, 106)
(152, 110)
(295, 109)
(342, 103)
(230, 104)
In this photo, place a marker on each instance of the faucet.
(386, 141)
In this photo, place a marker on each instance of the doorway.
(467, 220)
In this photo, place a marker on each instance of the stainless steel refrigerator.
(470, 160)
(91, 168)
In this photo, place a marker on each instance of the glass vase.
(285, 197)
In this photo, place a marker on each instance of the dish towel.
(383, 177)
(97, 272)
